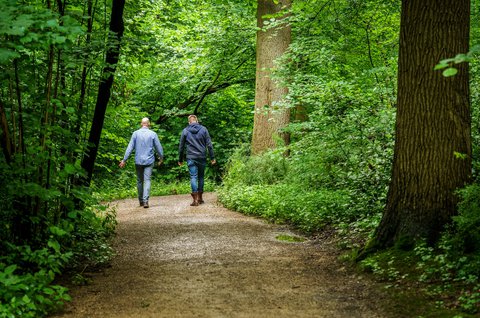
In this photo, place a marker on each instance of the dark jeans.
(143, 181)
(196, 167)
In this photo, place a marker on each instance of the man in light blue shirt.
(145, 142)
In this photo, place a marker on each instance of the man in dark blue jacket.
(196, 139)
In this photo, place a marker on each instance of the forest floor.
(174, 260)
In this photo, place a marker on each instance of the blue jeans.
(143, 181)
(196, 167)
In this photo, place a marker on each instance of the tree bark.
(6, 141)
(104, 89)
(83, 85)
(269, 117)
(433, 123)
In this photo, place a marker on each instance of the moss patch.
(290, 238)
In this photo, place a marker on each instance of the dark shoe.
(141, 203)
(200, 199)
(145, 204)
(195, 199)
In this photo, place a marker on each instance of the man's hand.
(159, 163)
(121, 164)
(180, 163)
(213, 162)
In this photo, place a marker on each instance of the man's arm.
(158, 148)
(210, 146)
(129, 150)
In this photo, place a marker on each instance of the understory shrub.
(308, 210)
(26, 280)
(28, 286)
(316, 185)
(455, 261)
(448, 271)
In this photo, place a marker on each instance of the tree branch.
(199, 98)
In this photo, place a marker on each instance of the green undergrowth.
(422, 284)
(29, 285)
(447, 273)
(306, 209)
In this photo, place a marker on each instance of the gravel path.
(174, 260)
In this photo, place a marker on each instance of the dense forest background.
(77, 77)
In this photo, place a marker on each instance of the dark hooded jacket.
(196, 139)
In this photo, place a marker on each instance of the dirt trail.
(174, 260)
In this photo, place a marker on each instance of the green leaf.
(55, 245)
(48, 291)
(52, 23)
(70, 169)
(440, 66)
(59, 39)
(451, 71)
(26, 299)
(6, 55)
(72, 214)
(460, 58)
(57, 231)
(10, 269)
(460, 155)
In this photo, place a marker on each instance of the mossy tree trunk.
(269, 116)
(432, 125)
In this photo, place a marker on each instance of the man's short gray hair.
(145, 121)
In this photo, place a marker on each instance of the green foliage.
(466, 236)
(308, 210)
(456, 260)
(26, 278)
(448, 64)
(448, 271)
(341, 70)
(29, 26)
(89, 239)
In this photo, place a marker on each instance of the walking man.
(144, 141)
(196, 139)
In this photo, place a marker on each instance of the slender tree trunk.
(21, 224)
(21, 143)
(104, 89)
(269, 117)
(12, 115)
(48, 97)
(83, 85)
(433, 123)
(6, 140)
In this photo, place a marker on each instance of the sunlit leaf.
(451, 71)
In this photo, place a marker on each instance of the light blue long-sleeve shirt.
(144, 141)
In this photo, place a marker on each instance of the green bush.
(448, 271)
(308, 210)
(27, 276)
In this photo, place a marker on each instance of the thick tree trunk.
(269, 117)
(433, 122)
(104, 89)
